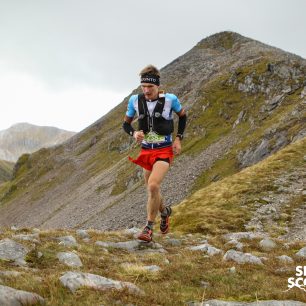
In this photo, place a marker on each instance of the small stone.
(302, 253)
(82, 234)
(152, 268)
(232, 270)
(69, 259)
(67, 241)
(285, 259)
(267, 244)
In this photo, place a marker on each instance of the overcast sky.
(65, 63)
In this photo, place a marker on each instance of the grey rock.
(205, 284)
(254, 155)
(267, 244)
(132, 246)
(242, 235)
(70, 259)
(239, 119)
(303, 93)
(302, 253)
(152, 268)
(67, 241)
(257, 303)
(284, 259)
(29, 237)
(174, 242)
(207, 248)
(242, 258)
(232, 270)
(74, 280)
(11, 250)
(234, 244)
(12, 297)
(10, 273)
(82, 233)
(132, 231)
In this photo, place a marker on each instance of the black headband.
(150, 78)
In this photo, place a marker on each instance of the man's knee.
(153, 188)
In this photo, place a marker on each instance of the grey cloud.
(105, 43)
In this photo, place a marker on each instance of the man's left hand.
(177, 146)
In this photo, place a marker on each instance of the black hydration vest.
(156, 122)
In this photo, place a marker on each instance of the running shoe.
(146, 234)
(164, 221)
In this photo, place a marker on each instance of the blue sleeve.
(130, 108)
(176, 104)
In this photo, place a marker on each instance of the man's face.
(150, 91)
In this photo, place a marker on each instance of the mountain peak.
(222, 40)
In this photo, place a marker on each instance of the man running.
(155, 125)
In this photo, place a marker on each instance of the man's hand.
(177, 146)
(139, 136)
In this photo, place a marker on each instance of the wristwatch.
(180, 136)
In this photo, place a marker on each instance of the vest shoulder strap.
(142, 105)
(160, 105)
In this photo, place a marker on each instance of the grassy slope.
(226, 205)
(6, 170)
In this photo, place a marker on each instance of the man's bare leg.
(154, 180)
(146, 174)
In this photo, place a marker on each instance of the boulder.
(70, 259)
(11, 250)
(12, 297)
(74, 280)
(242, 258)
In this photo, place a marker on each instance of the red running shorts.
(148, 157)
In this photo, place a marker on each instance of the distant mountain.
(245, 102)
(27, 138)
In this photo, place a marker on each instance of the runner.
(154, 110)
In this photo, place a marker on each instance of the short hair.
(150, 69)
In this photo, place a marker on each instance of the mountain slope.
(6, 169)
(27, 138)
(245, 101)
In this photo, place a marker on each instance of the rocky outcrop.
(12, 297)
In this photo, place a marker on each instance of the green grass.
(6, 170)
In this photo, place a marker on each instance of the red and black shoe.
(165, 221)
(146, 234)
